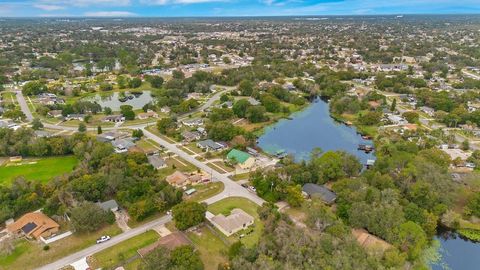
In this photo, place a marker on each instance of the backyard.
(212, 249)
(42, 170)
(225, 206)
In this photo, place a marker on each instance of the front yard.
(118, 254)
(30, 255)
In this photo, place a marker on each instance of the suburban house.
(396, 119)
(428, 110)
(179, 179)
(112, 135)
(192, 122)
(194, 96)
(253, 101)
(190, 136)
(79, 117)
(122, 145)
(55, 113)
(110, 205)
(157, 162)
(210, 145)
(118, 118)
(165, 109)
(34, 225)
(228, 225)
(244, 160)
(316, 191)
(42, 134)
(148, 114)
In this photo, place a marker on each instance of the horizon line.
(133, 16)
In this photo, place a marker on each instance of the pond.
(457, 253)
(312, 128)
(116, 99)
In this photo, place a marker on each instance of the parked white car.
(102, 239)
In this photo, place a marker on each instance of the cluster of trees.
(399, 83)
(89, 217)
(188, 214)
(127, 112)
(326, 243)
(101, 175)
(34, 88)
(285, 182)
(24, 142)
(400, 200)
(182, 257)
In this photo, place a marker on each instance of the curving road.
(232, 189)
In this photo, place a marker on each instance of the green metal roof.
(238, 155)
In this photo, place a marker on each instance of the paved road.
(210, 101)
(24, 106)
(97, 248)
(232, 189)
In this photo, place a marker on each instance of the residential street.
(99, 247)
(232, 189)
(23, 105)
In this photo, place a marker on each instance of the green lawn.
(240, 176)
(225, 206)
(113, 256)
(211, 248)
(206, 191)
(30, 255)
(42, 170)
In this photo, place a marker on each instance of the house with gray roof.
(122, 145)
(321, 192)
(157, 162)
(210, 145)
(110, 205)
(233, 223)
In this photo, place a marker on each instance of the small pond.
(116, 99)
(312, 128)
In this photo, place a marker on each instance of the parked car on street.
(102, 239)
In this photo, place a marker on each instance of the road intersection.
(231, 188)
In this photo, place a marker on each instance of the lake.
(112, 101)
(309, 129)
(457, 253)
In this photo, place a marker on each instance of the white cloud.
(48, 7)
(166, 2)
(109, 14)
(86, 3)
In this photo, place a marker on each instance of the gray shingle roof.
(314, 190)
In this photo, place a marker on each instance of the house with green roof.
(243, 159)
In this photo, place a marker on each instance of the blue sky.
(173, 8)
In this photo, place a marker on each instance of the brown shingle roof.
(33, 224)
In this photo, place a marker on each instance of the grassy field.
(211, 248)
(225, 206)
(241, 176)
(42, 170)
(206, 191)
(113, 256)
(30, 255)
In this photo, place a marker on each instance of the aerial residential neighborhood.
(162, 136)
